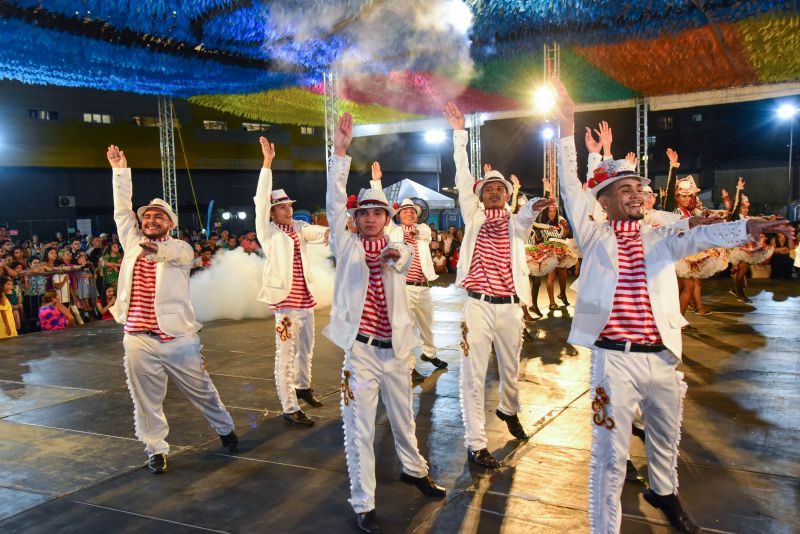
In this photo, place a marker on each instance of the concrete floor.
(69, 461)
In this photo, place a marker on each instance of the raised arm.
(124, 217)
(528, 213)
(575, 199)
(735, 215)
(668, 202)
(727, 235)
(467, 199)
(264, 193)
(336, 194)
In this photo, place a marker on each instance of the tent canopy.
(407, 188)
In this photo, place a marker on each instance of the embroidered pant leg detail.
(305, 348)
(285, 354)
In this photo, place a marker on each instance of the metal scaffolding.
(475, 123)
(166, 135)
(641, 136)
(552, 69)
(330, 85)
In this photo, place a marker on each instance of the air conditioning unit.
(65, 201)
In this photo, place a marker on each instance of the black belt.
(512, 299)
(610, 344)
(418, 284)
(380, 343)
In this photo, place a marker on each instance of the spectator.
(212, 242)
(34, 286)
(203, 261)
(8, 246)
(249, 243)
(85, 290)
(53, 315)
(3, 233)
(781, 260)
(460, 235)
(15, 296)
(49, 257)
(7, 324)
(60, 283)
(454, 260)
(75, 246)
(104, 304)
(439, 262)
(232, 244)
(198, 249)
(223, 237)
(112, 259)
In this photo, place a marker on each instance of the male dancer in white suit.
(287, 286)
(493, 270)
(420, 274)
(630, 318)
(161, 338)
(370, 321)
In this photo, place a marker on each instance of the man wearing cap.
(161, 338)
(492, 268)
(630, 319)
(370, 321)
(420, 274)
(286, 285)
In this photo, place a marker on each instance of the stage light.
(544, 98)
(226, 215)
(548, 133)
(242, 215)
(458, 16)
(434, 137)
(787, 111)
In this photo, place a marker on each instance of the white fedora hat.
(160, 204)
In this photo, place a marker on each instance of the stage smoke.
(228, 289)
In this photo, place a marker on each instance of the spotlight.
(787, 111)
(434, 137)
(226, 215)
(242, 215)
(548, 133)
(544, 98)
(459, 16)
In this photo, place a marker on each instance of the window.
(43, 115)
(697, 117)
(215, 125)
(664, 122)
(651, 140)
(147, 121)
(255, 127)
(307, 130)
(97, 118)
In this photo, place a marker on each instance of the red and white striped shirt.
(490, 270)
(142, 310)
(375, 318)
(299, 296)
(415, 273)
(631, 315)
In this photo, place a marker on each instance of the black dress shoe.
(671, 506)
(157, 464)
(368, 522)
(230, 442)
(514, 426)
(299, 418)
(563, 298)
(416, 377)
(424, 484)
(436, 362)
(632, 474)
(308, 396)
(483, 458)
(639, 433)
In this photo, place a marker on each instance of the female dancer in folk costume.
(744, 256)
(554, 231)
(681, 198)
(371, 322)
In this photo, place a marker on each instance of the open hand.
(543, 203)
(391, 254)
(740, 184)
(148, 247)
(268, 149)
(631, 158)
(515, 180)
(672, 155)
(565, 110)
(116, 157)
(487, 168)
(343, 135)
(725, 196)
(377, 174)
(756, 227)
(454, 116)
(591, 145)
(606, 136)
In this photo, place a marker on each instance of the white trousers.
(294, 349)
(148, 364)
(487, 324)
(421, 307)
(367, 371)
(620, 382)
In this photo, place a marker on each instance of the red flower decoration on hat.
(396, 205)
(352, 202)
(600, 175)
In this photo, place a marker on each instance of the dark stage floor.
(69, 461)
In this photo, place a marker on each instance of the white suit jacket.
(278, 273)
(352, 274)
(662, 247)
(174, 311)
(519, 227)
